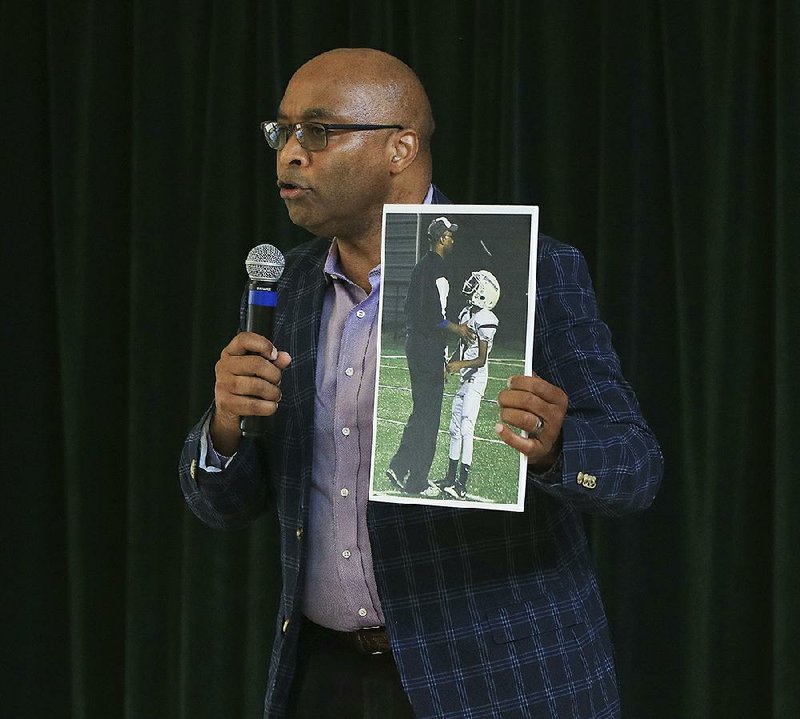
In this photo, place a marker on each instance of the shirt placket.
(353, 400)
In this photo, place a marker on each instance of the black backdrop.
(661, 138)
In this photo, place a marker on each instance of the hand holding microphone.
(249, 369)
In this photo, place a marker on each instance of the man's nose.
(293, 153)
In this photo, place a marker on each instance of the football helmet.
(482, 288)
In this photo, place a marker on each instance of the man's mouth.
(291, 191)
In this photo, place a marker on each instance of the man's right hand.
(464, 331)
(248, 383)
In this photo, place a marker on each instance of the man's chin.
(297, 213)
(303, 217)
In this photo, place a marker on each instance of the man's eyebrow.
(313, 113)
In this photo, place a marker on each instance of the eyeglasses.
(312, 136)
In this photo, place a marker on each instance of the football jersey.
(484, 323)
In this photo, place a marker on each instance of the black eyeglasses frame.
(269, 126)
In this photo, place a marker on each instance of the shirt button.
(360, 314)
(348, 372)
(362, 612)
(346, 554)
(346, 431)
(345, 491)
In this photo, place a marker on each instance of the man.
(484, 613)
(426, 324)
(483, 291)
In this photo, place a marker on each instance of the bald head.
(380, 88)
(340, 189)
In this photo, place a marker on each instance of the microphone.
(264, 266)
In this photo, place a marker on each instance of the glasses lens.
(275, 134)
(312, 136)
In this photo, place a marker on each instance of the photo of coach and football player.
(457, 300)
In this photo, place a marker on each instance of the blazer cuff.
(552, 475)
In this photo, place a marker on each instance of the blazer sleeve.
(611, 463)
(232, 497)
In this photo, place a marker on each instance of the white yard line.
(446, 394)
(499, 360)
(443, 431)
(474, 497)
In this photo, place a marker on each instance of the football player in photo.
(470, 361)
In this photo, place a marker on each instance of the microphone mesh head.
(264, 262)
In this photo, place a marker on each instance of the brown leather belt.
(368, 641)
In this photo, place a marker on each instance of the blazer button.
(587, 480)
(285, 625)
(299, 532)
(193, 469)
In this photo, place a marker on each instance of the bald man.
(395, 610)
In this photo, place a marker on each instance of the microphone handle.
(261, 302)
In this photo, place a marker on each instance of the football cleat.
(434, 489)
(457, 491)
(431, 492)
(392, 477)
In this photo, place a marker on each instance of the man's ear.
(402, 150)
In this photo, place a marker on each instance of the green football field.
(495, 466)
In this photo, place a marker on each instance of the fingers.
(525, 445)
(248, 375)
(251, 343)
(537, 387)
(533, 405)
(465, 332)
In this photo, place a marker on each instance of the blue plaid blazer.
(490, 614)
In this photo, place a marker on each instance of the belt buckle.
(366, 637)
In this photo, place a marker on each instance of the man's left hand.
(537, 407)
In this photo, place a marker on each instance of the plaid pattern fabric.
(490, 614)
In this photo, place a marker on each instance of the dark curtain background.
(661, 138)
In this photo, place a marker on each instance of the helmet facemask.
(482, 289)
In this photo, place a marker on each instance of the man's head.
(442, 235)
(340, 190)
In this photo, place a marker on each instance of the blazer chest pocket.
(526, 619)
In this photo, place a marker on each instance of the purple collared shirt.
(340, 590)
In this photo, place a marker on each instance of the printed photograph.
(456, 321)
